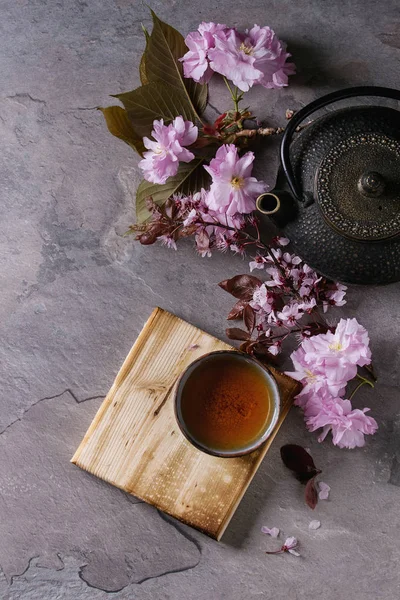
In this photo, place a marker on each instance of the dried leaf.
(235, 333)
(241, 286)
(191, 176)
(246, 347)
(142, 66)
(311, 494)
(298, 460)
(249, 318)
(164, 49)
(154, 101)
(119, 125)
(237, 310)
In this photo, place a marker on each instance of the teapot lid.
(348, 163)
(357, 187)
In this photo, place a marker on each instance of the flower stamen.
(246, 49)
(237, 182)
(337, 346)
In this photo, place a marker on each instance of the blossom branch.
(265, 131)
(353, 393)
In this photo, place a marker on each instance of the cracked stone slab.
(50, 508)
(75, 293)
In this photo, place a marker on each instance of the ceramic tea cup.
(227, 403)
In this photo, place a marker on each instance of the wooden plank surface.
(135, 443)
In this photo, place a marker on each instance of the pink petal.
(282, 241)
(324, 490)
(294, 552)
(290, 542)
(274, 532)
(314, 525)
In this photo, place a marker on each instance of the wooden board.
(135, 444)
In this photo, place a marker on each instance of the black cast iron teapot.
(338, 189)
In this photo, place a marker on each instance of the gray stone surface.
(75, 293)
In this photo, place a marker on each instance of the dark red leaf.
(311, 494)
(298, 460)
(249, 318)
(241, 286)
(237, 310)
(246, 347)
(147, 238)
(262, 354)
(235, 333)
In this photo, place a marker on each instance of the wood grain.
(135, 444)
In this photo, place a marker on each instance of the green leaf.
(191, 177)
(119, 125)
(154, 101)
(164, 49)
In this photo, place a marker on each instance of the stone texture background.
(75, 293)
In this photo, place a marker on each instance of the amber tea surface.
(227, 403)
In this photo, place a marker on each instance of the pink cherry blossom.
(290, 546)
(233, 190)
(282, 241)
(164, 154)
(308, 281)
(211, 225)
(195, 61)
(277, 253)
(348, 426)
(335, 297)
(277, 280)
(290, 313)
(231, 58)
(308, 305)
(258, 263)
(168, 241)
(255, 57)
(263, 299)
(291, 259)
(191, 218)
(344, 349)
(203, 243)
(275, 348)
(315, 376)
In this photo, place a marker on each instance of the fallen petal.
(294, 552)
(314, 525)
(290, 542)
(324, 490)
(273, 532)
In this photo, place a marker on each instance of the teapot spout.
(278, 205)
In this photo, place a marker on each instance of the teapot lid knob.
(371, 184)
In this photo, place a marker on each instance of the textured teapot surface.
(347, 166)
